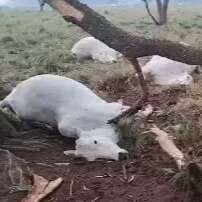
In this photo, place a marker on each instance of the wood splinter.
(166, 142)
(42, 188)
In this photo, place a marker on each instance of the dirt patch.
(126, 87)
(104, 181)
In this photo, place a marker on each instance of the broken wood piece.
(42, 188)
(85, 188)
(71, 188)
(166, 142)
(131, 179)
(96, 199)
(144, 113)
(125, 177)
(62, 164)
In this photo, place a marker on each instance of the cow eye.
(95, 141)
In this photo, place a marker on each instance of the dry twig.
(125, 177)
(71, 188)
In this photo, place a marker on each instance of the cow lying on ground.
(91, 48)
(74, 109)
(169, 72)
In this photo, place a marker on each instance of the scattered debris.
(85, 188)
(62, 164)
(124, 172)
(103, 176)
(42, 188)
(71, 188)
(44, 164)
(131, 179)
(97, 198)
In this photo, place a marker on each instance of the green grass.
(39, 42)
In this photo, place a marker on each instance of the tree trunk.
(130, 46)
(162, 7)
(159, 9)
(165, 11)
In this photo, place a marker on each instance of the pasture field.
(33, 43)
(39, 42)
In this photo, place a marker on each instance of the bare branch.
(149, 12)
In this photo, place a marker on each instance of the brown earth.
(145, 179)
(104, 181)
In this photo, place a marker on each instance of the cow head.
(98, 143)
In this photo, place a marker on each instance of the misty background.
(34, 3)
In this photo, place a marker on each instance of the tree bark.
(164, 11)
(130, 46)
(159, 9)
(162, 7)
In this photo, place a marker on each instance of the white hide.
(92, 48)
(169, 72)
(73, 108)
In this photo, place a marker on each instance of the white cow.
(169, 72)
(91, 48)
(74, 109)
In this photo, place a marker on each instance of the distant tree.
(41, 4)
(162, 8)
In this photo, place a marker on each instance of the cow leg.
(67, 130)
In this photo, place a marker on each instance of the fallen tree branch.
(130, 46)
(166, 142)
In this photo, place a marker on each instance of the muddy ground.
(104, 181)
